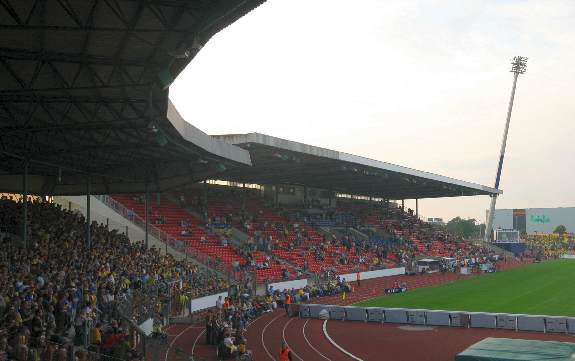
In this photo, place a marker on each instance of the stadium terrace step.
(175, 220)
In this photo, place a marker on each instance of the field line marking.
(196, 341)
(309, 343)
(336, 345)
(255, 320)
(174, 340)
(263, 333)
(284, 338)
(174, 334)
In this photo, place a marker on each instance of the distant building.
(535, 220)
(436, 221)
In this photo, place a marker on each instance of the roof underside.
(279, 161)
(83, 94)
(83, 90)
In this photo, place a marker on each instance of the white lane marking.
(264, 331)
(284, 338)
(204, 330)
(196, 341)
(174, 340)
(336, 345)
(309, 343)
(175, 334)
(254, 321)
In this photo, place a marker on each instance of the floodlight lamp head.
(153, 127)
(185, 54)
(519, 65)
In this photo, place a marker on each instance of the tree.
(464, 228)
(561, 229)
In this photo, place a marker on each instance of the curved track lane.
(305, 336)
(298, 341)
(254, 335)
(373, 341)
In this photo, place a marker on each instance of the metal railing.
(140, 305)
(73, 353)
(167, 239)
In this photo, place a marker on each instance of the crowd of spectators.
(290, 233)
(551, 245)
(227, 322)
(58, 297)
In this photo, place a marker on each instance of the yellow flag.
(343, 296)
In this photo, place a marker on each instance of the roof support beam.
(76, 58)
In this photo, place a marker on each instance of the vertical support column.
(25, 205)
(244, 196)
(147, 218)
(205, 196)
(403, 205)
(305, 196)
(417, 207)
(144, 348)
(277, 196)
(88, 219)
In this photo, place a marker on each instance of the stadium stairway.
(171, 216)
(199, 239)
(226, 208)
(103, 212)
(270, 224)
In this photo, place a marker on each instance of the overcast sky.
(423, 84)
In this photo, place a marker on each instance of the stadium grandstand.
(546, 232)
(140, 222)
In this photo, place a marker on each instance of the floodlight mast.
(518, 66)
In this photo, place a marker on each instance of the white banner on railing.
(288, 285)
(147, 327)
(203, 303)
(374, 274)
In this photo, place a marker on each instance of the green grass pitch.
(539, 289)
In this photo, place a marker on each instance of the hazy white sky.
(424, 84)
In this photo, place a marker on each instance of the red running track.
(368, 341)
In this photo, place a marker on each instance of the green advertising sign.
(539, 218)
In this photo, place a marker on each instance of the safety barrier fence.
(57, 351)
(422, 317)
(153, 303)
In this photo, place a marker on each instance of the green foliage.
(541, 289)
(464, 228)
(560, 229)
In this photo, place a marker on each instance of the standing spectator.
(219, 304)
(285, 353)
(287, 302)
